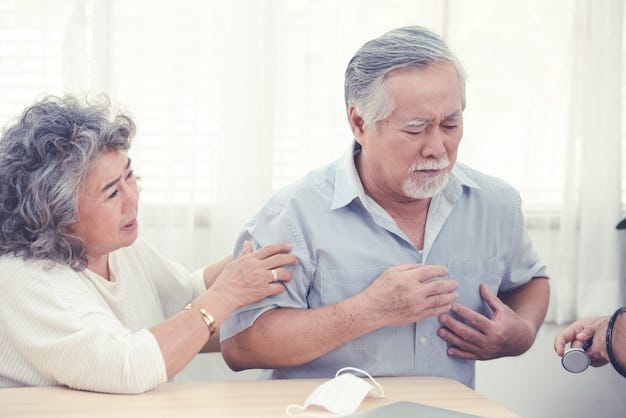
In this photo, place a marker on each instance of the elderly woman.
(85, 303)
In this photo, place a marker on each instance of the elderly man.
(409, 263)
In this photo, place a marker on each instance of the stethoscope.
(577, 360)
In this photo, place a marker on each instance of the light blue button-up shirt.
(344, 240)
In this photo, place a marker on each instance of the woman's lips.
(131, 225)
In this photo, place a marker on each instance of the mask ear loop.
(381, 392)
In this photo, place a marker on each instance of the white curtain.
(587, 275)
(235, 99)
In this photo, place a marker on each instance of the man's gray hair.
(406, 47)
(44, 158)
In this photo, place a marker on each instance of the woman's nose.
(131, 196)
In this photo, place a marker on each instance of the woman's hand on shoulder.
(255, 275)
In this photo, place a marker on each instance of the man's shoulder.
(315, 187)
(487, 183)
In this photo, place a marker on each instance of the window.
(243, 98)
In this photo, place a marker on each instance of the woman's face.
(107, 206)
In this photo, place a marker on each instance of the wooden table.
(259, 399)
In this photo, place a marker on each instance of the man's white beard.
(432, 186)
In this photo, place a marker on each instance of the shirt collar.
(458, 179)
(348, 184)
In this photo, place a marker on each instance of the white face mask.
(341, 395)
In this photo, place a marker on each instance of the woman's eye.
(112, 195)
(130, 174)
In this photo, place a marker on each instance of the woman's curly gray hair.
(44, 158)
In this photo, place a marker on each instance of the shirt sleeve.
(524, 263)
(59, 330)
(270, 227)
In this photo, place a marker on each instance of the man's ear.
(356, 122)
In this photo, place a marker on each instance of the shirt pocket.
(470, 274)
(337, 285)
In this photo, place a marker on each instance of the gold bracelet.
(208, 320)
(206, 317)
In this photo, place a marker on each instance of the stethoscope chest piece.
(575, 360)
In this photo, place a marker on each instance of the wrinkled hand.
(581, 331)
(249, 277)
(482, 338)
(406, 293)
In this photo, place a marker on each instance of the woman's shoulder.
(21, 278)
(15, 266)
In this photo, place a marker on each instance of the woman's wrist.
(206, 317)
(615, 338)
(218, 304)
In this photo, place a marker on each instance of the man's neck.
(409, 214)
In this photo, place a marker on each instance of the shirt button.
(423, 340)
